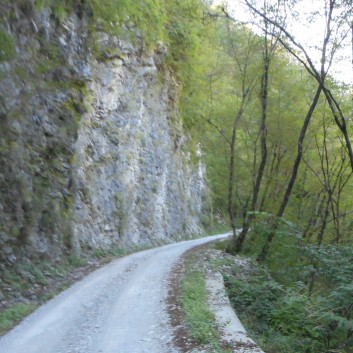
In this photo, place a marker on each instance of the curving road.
(119, 308)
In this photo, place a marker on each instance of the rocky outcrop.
(134, 182)
(92, 150)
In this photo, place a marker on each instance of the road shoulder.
(231, 334)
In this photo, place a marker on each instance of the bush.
(284, 319)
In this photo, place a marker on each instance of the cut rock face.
(92, 148)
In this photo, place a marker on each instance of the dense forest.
(273, 123)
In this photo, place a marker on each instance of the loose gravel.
(120, 308)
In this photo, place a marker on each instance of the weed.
(194, 302)
(76, 260)
(7, 48)
(14, 314)
(282, 319)
(200, 320)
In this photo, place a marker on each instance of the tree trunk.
(265, 249)
(320, 238)
(231, 182)
(263, 133)
(231, 212)
(315, 216)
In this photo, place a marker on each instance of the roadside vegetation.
(14, 314)
(31, 284)
(200, 321)
(199, 318)
(299, 300)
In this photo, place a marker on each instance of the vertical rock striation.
(134, 182)
(92, 150)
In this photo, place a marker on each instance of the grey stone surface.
(231, 329)
(90, 142)
(131, 175)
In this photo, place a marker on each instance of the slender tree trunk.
(340, 121)
(264, 252)
(246, 92)
(320, 238)
(321, 233)
(263, 133)
(335, 208)
(231, 212)
(319, 76)
(302, 195)
(274, 169)
(314, 218)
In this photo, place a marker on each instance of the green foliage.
(13, 315)
(50, 58)
(294, 314)
(284, 320)
(60, 9)
(145, 16)
(75, 260)
(333, 264)
(7, 48)
(31, 274)
(337, 322)
(254, 298)
(193, 299)
(112, 252)
(109, 253)
(287, 249)
(279, 306)
(194, 302)
(184, 29)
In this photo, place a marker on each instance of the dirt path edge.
(230, 330)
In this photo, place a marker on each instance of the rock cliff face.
(91, 150)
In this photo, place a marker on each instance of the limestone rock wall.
(92, 151)
(134, 183)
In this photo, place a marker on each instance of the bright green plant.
(14, 314)
(144, 16)
(193, 299)
(194, 302)
(288, 318)
(7, 48)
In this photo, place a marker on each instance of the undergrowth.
(280, 319)
(10, 316)
(300, 300)
(31, 283)
(200, 320)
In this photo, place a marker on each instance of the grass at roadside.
(219, 228)
(28, 284)
(193, 299)
(12, 315)
(194, 302)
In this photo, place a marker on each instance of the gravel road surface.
(119, 308)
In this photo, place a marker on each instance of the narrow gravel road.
(119, 308)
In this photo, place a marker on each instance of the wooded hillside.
(275, 126)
